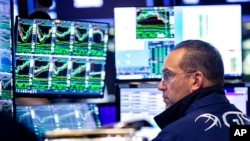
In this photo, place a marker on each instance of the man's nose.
(161, 86)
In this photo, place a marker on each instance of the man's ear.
(198, 80)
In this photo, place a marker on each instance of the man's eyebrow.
(166, 70)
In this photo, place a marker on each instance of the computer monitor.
(145, 35)
(6, 34)
(246, 47)
(42, 118)
(140, 102)
(60, 58)
(6, 106)
(238, 95)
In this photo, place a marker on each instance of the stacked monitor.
(6, 26)
(42, 118)
(60, 58)
(145, 35)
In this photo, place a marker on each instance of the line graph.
(60, 67)
(22, 71)
(41, 67)
(43, 36)
(24, 32)
(98, 35)
(60, 73)
(55, 116)
(24, 39)
(43, 117)
(23, 115)
(5, 86)
(5, 38)
(22, 65)
(79, 67)
(79, 75)
(153, 23)
(6, 106)
(90, 42)
(62, 40)
(41, 73)
(81, 34)
(81, 41)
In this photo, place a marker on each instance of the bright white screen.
(238, 96)
(138, 58)
(141, 103)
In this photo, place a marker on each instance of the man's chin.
(167, 106)
(167, 103)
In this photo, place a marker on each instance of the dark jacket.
(205, 115)
(11, 130)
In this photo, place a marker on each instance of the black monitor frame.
(87, 72)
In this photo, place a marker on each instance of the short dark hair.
(45, 3)
(202, 56)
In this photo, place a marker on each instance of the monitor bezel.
(57, 95)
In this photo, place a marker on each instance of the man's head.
(44, 4)
(190, 66)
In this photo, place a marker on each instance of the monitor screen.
(42, 118)
(60, 58)
(141, 102)
(145, 35)
(6, 24)
(137, 103)
(246, 47)
(238, 95)
(6, 106)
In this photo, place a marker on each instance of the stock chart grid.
(60, 57)
(153, 23)
(6, 94)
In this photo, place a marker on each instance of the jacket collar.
(178, 110)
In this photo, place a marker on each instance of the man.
(196, 106)
(41, 10)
